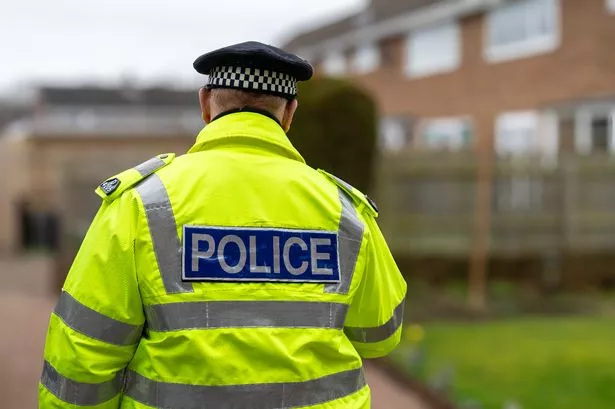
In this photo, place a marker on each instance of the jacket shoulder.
(361, 200)
(113, 187)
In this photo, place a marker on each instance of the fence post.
(477, 275)
(569, 177)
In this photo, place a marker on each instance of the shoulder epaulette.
(360, 199)
(113, 187)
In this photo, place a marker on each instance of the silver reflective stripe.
(150, 166)
(252, 396)
(245, 314)
(94, 324)
(343, 183)
(79, 393)
(350, 236)
(163, 230)
(381, 333)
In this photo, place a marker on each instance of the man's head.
(251, 75)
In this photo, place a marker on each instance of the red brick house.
(516, 76)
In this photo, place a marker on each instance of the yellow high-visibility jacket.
(234, 276)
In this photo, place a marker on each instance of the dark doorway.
(600, 135)
(39, 230)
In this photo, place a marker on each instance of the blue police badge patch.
(259, 254)
(110, 186)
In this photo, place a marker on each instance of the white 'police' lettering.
(316, 256)
(254, 268)
(250, 254)
(276, 254)
(196, 254)
(242, 254)
(287, 263)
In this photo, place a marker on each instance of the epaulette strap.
(361, 200)
(113, 187)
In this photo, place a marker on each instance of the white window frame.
(451, 146)
(521, 193)
(522, 49)
(502, 124)
(366, 58)
(395, 133)
(548, 138)
(335, 63)
(413, 71)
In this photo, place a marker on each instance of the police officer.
(234, 276)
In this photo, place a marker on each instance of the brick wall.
(582, 66)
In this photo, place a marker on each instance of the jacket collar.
(246, 128)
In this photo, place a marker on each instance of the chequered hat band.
(253, 79)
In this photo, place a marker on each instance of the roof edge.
(390, 27)
(290, 42)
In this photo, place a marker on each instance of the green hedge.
(335, 129)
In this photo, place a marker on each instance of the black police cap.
(255, 67)
(253, 54)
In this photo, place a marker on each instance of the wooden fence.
(564, 205)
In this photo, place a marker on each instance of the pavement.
(388, 393)
(25, 305)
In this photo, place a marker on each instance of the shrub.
(335, 129)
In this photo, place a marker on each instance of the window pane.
(334, 64)
(453, 133)
(523, 23)
(536, 19)
(367, 58)
(516, 133)
(433, 49)
(395, 133)
(507, 24)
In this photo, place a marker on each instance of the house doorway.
(39, 229)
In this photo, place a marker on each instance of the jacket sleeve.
(97, 322)
(375, 318)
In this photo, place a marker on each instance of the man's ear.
(204, 100)
(289, 114)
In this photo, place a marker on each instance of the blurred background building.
(55, 149)
(533, 76)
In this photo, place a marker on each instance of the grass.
(537, 363)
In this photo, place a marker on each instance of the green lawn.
(539, 363)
